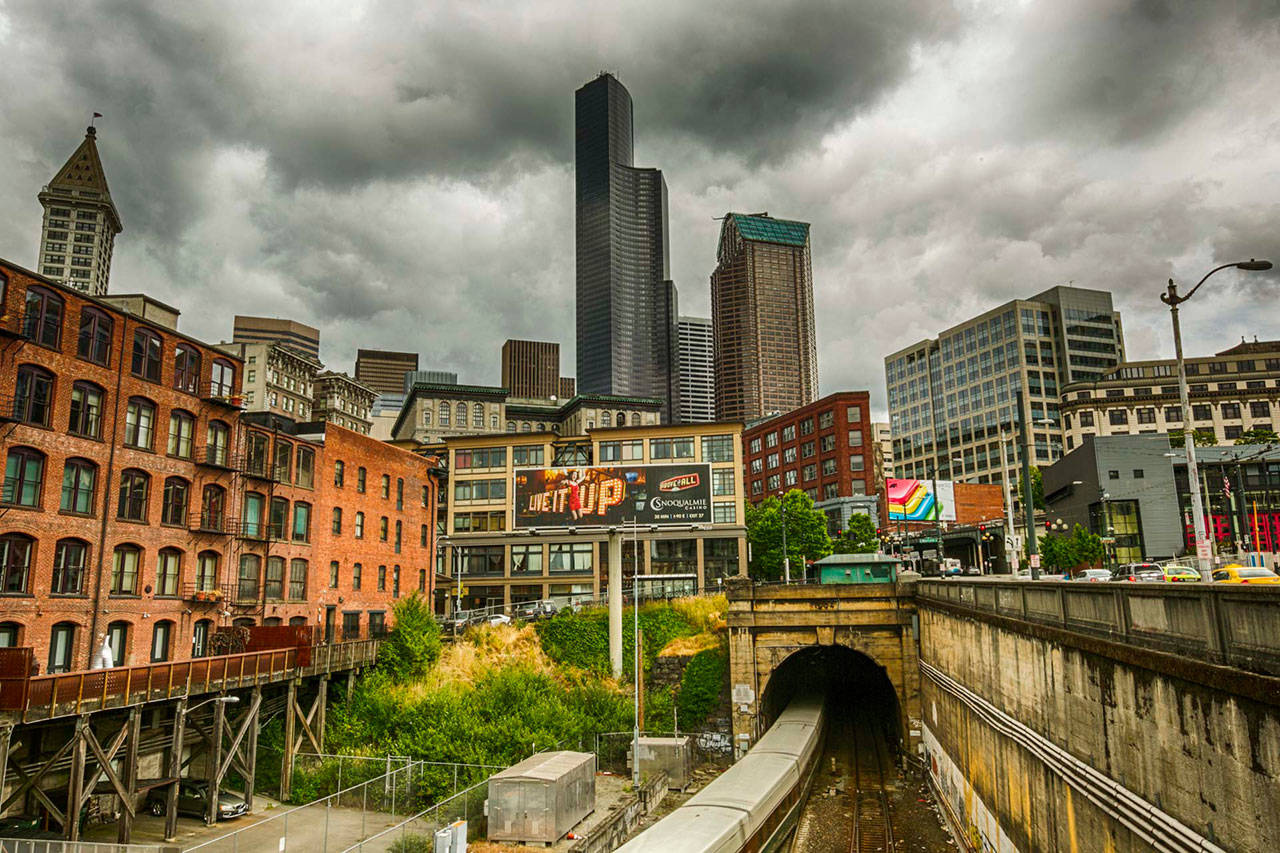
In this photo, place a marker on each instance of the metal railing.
(1233, 624)
(32, 845)
(418, 832)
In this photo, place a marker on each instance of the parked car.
(1180, 574)
(1093, 575)
(193, 800)
(1138, 572)
(497, 619)
(1236, 573)
(531, 611)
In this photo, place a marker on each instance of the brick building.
(825, 449)
(141, 507)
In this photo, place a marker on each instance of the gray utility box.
(672, 754)
(542, 797)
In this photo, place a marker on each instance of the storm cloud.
(400, 173)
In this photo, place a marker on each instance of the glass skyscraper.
(627, 307)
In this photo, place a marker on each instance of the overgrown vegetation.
(700, 686)
(414, 646)
(582, 639)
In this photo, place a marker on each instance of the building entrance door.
(329, 615)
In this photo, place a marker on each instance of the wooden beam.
(252, 749)
(124, 826)
(306, 728)
(286, 757)
(214, 763)
(322, 703)
(75, 783)
(104, 768)
(175, 770)
(29, 783)
(233, 753)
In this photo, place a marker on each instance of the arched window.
(95, 335)
(251, 521)
(168, 571)
(622, 419)
(399, 530)
(444, 413)
(386, 486)
(207, 571)
(247, 581)
(79, 482)
(525, 426)
(126, 564)
(511, 426)
(297, 621)
(301, 521)
(118, 641)
(200, 634)
(273, 586)
(243, 622)
(339, 472)
(33, 395)
(186, 368)
(145, 362)
(359, 525)
(493, 422)
(15, 562)
(361, 479)
(215, 452)
(86, 410)
(70, 559)
(297, 579)
(182, 428)
(135, 489)
(605, 419)
(23, 477)
(139, 423)
(272, 622)
(279, 518)
(62, 646)
(161, 640)
(10, 632)
(222, 381)
(42, 323)
(213, 508)
(173, 507)
(337, 521)
(477, 416)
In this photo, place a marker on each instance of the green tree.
(1203, 437)
(1258, 436)
(1037, 487)
(807, 537)
(858, 538)
(413, 646)
(1086, 547)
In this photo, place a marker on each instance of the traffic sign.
(1035, 561)
(1202, 550)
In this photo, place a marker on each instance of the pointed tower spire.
(80, 221)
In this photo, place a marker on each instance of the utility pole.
(1028, 497)
(786, 558)
(1010, 551)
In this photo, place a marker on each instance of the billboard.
(608, 495)
(914, 500)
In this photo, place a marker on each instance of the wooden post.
(252, 748)
(321, 702)
(214, 762)
(286, 759)
(6, 735)
(175, 770)
(125, 824)
(351, 683)
(75, 783)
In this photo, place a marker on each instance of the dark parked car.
(193, 799)
(1139, 572)
(531, 611)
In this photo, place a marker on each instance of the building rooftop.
(764, 228)
(1254, 347)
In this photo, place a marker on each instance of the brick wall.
(842, 476)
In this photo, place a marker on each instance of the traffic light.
(982, 528)
(1048, 527)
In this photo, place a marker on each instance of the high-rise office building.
(952, 397)
(384, 371)
(298, 336)
(766, 353)
(80, 222)
(532, 369)
(697, 371)
(626, 302)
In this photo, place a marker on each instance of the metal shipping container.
(542, 798)
(671, 754)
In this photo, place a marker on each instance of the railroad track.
(872, 826)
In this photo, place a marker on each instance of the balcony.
(212, 523)
(245, 593)
(214, 457)
(222, 395)
(206, 593)
(258, 467)
(253, 531)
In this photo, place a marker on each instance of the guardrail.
(1231, 624)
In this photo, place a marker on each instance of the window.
(757, 465)
(788, 455)
(356, 571)
(722, 481)
(1231, 411)
(382, 577)
(807, 449)
(33, 395)
(86, 410)
(301, 522)
(444, 414)
(572, 557)
(1118, 417)
(426, 497)
(788, 432)
(477, 416)
(10, 632)
(774, 482)
(94, 343)
(146, 355)
(42, 323)
(493, 457)
(1202, 412)
(207, 571)
(830, 491)
(826, 419)
(186, 368)
(200, 633)
(532, 455)
(1113, 475)
(526, 559)
(173, 506)
(297, 579)
(480, 490)
(333, 574)
(182, 426)
(359, 525)
(422, 581)
(337, 521)
(306, 467)
(399, 493)
(62, 645)
(622, 451)
(827, 443)
(15, 563)
(671, 448)
(755, 445)
(339, 469)
(222, 379)
(461, 418)
(386, 486)
(828, 467)
(213, 508)
(1260, 409)
(360, 479)
(70, 558)
(168, 571)
(251, 522)
(717, 448)
(135, 488)
(771, 461)
(399, 530)
(125, 564)
(771, 440)
(283, 462)
(857, 464)
(1139, 474)
(853, 414)
(811, 472)
(278, 519)
(216, 448)
(247, 580)
(273, 583)
(423, 543)
(806, 426)
(23, 477)
(1173, 414)
(726, 512)
(382, 528)
(139, 423)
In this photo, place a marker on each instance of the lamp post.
(1171, 298)
(786, 558)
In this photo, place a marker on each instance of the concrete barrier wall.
(613, 830)
(1186, 757)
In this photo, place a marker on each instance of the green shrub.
(701, 685)
(412, 844)
(582, 639)
(413, 646)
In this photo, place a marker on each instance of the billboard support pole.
(615, 602)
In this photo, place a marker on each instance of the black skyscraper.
(627, 309)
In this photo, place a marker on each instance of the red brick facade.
(825, 449)
(128, 469)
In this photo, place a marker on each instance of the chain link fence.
(613, 749)
(417, 833)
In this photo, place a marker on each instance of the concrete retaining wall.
(613, 830)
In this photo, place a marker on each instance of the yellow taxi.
(1236, 573)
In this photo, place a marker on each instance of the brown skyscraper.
(531, 368)
(384, 371)
(766, 356)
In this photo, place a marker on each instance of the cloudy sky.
(400, 173)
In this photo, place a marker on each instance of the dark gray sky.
(400, 173)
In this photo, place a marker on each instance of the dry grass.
(485, 649)
(705, 612)
(690, 645)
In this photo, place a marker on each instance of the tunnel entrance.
(854, 683)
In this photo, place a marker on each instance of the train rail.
(872, 821)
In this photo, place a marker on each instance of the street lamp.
(1173, 300)
(226, 700)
